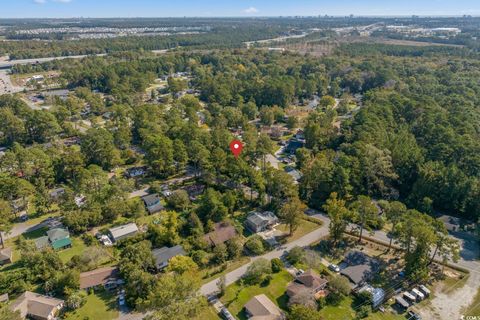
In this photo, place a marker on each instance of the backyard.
(98, 306)
(237, 295)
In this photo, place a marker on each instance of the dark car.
(226, 314)
(413, 316)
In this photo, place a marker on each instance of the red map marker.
(236, 148)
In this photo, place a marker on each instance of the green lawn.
(208, 313)
(208, 275)
(474, 308)
(304, 228)
(78, 246)
(98, 306)
(345, 311)
(236, 295)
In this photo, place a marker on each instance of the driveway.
(24, 227)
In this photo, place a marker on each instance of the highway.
(7, 64)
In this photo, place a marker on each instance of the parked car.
(226, 314)
(300, 271)
(413, 316)
(121, 300)
(212, 299)
(334, 267)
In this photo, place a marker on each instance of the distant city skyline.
(239, 8)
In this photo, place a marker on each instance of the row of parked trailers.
(408, 298)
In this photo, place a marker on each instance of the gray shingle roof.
(163, 255)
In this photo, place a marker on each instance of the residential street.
(236, 274)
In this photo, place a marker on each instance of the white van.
(419, 295)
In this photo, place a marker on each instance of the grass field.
(474, 308)
(236, 295)
(98, 306)
(78, 246)
(232, 265)
(208, 313)
(346, 311)
(304, 228)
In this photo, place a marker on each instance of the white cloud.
(39, 1)
(251, 10)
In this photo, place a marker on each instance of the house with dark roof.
(37, 306)
(310, 282)
(5, 256)
(223, 231)
(262, 308)
(163, 255)
(260, 221)
(360, 268)
(123, 231)
(107, 277)
(152, 202)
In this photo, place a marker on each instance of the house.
(42, 242)
(59, 238)
(378, 294)
(360, 268)
(5, 256)
(163, 255)
(37, 306)
(107, 277)
(262, 308)
(309, 281)
(260, 221)
(152, 202)
(123, 231)
(135, 172)
(223, 231)
(300, 135)
(55, 194)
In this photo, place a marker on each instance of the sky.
(232, 8)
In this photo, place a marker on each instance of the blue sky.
(211, 8)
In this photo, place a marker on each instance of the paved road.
(24, 227)
(6, 85)
(10, 63)
(231, 277)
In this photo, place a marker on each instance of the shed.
(5, 256)
(123, 231)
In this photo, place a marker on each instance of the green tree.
(98, 148)
(339, 216)
(364, 212)
(182, 264)
(291, 214)
(255, 245)
(301, 312)
(257, 271)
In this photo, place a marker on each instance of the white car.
(106, 241)
(334, 267)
